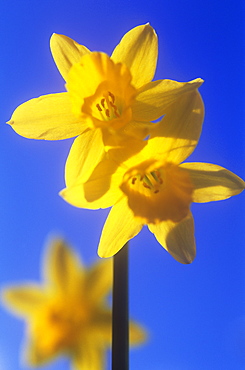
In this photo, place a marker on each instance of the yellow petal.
(62, 268)
(137, 334)
(177, 238)
(128, 153)
(137, 130)
(119, 228)
(99, 280)
(101, 328)
(100, 191)
(153, 99)
(138, 49)
(24, 300)
(176, 136)
(92, 70)
(48, 117)
(34, 356)
(102, 188)
(212, 182)
(75, 196)
(89, 356)
(66, 52)
(86, 152)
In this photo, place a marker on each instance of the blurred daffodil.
(154, 187)
(68, 314)
(108, 99)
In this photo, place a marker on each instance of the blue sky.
(196, 313)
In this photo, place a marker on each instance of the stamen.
(111, 102)
(107, 106)
(112, 96)
(157, 176)
(114, 108)
(147, 182)
(103, 102)
(151, 181)
(99, 107)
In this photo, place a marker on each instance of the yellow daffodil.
(154, 187)
(108, 99)
(68, 314)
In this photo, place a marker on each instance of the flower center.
(58, 326)
(152, 181)
(101, 92)
(158, 195)
(107, 108)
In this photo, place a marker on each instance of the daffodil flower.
(68, 313)
(108, 99)
(154, 187)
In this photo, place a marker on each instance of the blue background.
(195, 314)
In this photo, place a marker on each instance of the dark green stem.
(120, 323)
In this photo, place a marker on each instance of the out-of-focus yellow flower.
(68, 314)
(154, 187)
(108, 99)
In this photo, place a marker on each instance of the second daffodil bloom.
(68, 314)
(108, 99)
(154, 187)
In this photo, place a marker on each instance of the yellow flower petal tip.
(68, 313)
(66, 52)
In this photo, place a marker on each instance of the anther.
(115, 109)
(99, 107)
(112, 96)
(103, 102)
(107, 106)
(112, 104)
(133, 180)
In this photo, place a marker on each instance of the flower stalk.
(120, 324)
